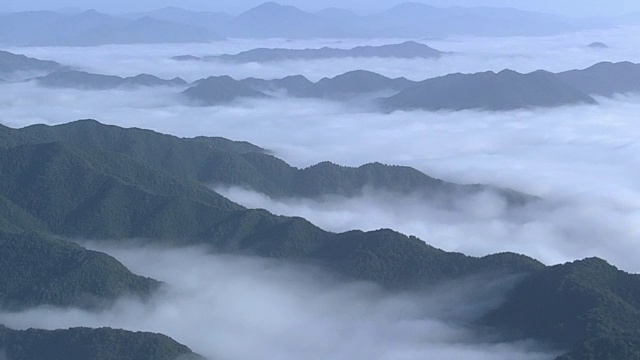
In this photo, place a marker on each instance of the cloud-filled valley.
(580, 162)
(234, 308)
(580, 159)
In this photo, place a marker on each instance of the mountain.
(271, 20)
(406, 50)
(96, 194)
(355, 83)
(295, 85)
(506, 90)
(413, 19)
(218, 90)
(90, 344)
(93, 194)
(598, 45)
(212, 21)
(88, 81)
(221, 90)
(74, 188)
(11, 63)
(38, 270)
(92, 28)
(605, 78)
(222, 162)
(588, 305)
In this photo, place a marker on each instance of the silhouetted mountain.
(416, 19)
(295, 85)
(218, 90)
(90, 344)
(605, 78)
(92, 28)
(351, 84)
(11, 63)
(212, 21)
(357, 82)
(271, 20)
(186, 58)
(505, 90)
(36, 270)
(407, 50)
(598, 45)
(84, 80)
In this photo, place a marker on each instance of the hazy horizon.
(588, 8)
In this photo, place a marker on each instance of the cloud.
(471, 54)
(239, 308)
(583, 160)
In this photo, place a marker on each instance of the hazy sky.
(565, 7)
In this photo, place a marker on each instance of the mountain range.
(87, 81)
(509, 89)
(405, 50)
(13, 63)
(99, 182)
(505, 90)
(272, 20)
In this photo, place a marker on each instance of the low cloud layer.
(583, 160)
(241, 308)
(469, 54)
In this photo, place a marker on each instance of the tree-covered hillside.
(90, 344)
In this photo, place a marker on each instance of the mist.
(238, 308)
(581, 160)
(468, 55)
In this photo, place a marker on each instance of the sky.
(572, 8)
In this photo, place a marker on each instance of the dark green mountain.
(87, 81)
(38, 270)
(219, 90)
(222, 162)
(94, 194)
(605, 78)
(111, 191)
(506, 90)
(11, 63)
(90, 344)
(588, 306)
(405, 50)
(104, 195)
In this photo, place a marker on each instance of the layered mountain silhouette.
(605, 78)
(218, 90)
(506, 90)
(12, 63)
(272, 20)
(90, 28)
(405, 50)
(103, 182)
(88, 81)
